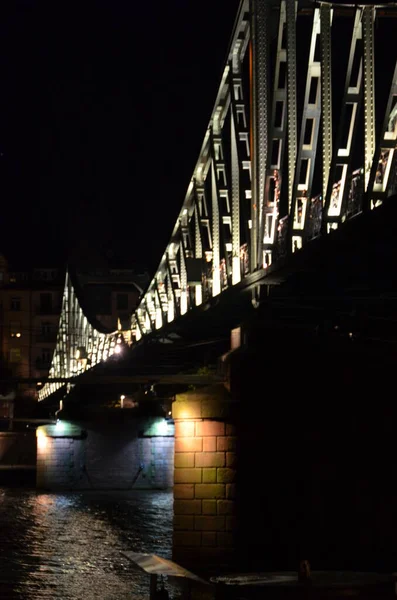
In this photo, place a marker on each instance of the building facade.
(30, 303)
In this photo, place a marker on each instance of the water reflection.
(69, 545)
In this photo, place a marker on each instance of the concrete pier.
(204, 476)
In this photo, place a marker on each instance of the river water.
(69, 545)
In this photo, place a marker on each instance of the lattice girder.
(79, 346)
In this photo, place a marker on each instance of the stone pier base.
(204, 476)
(136, 453)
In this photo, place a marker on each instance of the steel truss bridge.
(296, 109)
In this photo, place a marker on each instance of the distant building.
(30, 303)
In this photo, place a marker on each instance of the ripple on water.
(69, 545)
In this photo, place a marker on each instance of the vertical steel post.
(239, 156)
(326, 94)
(198, 242)
(307, 149)
(369, 91)
(198, 292)
(222, 194)
(343, 150)
(260, 133)
(277, 134)
(216, 275)
(160, 313)
(235, 189)
(254, 216)
(183, 275)
(291, 98)
(173, 309)
(381, 177)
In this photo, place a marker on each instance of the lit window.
(15, 355)
(15, 329)
(15, 304)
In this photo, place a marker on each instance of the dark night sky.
(103, 109)
(104, 106)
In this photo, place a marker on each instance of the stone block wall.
(136, 454)
(57, 461)
(204, 477)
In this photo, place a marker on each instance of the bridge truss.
(272, 137)
(81, 343)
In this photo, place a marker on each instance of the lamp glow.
(162, 427)
(42, 439)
